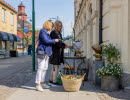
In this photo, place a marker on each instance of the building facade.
(8, 27)
(104, 20)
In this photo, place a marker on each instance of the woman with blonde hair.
(44, 50)
(57, 51)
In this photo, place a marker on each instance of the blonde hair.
(47, 24)
(56, 24)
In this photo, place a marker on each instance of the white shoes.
(39, 88)
(45, 86)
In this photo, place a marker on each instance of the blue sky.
(46, 9)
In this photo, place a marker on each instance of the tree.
(27, 39)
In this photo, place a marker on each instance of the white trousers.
(54, 73)
(42, 68)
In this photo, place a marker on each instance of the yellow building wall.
(6, 26)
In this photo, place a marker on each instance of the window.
(3, 44)
(11, 19)
(20, 17)
(3, 15)
(19, 25)
(11, 45)
(19, 8)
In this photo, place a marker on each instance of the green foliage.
(110, 52)
(112, 55)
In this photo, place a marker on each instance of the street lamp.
(54, 18)
(33, 35)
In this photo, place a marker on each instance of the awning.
(16, 38)
(10, 36)
(3, 36)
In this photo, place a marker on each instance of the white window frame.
(3, 15)
(20, 17)
(11, 19)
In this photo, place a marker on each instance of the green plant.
(110, 70)
(110, 52)
(112, 55)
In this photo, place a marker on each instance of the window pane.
(3, 14)
(11, 18)
(20, 17)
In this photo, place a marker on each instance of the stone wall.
(116, 23)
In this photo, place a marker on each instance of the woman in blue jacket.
(44, 50)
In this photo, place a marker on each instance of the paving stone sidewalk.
(14, 72)
(20, 86)
(28, 92)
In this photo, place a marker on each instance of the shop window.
(11, 45)
(3, 44)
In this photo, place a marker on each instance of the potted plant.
(112, 71)
(97, 49)
(110, 75)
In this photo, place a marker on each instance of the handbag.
(41, 54)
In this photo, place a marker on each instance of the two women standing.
(50, 45)
(44, 50)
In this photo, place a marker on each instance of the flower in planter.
(110, 70)
(98, 56)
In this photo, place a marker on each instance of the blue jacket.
(45, 42)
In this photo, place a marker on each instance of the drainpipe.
(74, 33)
(100, 21)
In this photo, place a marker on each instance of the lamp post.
(33, 35)
(23, 39)
(54, 18)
